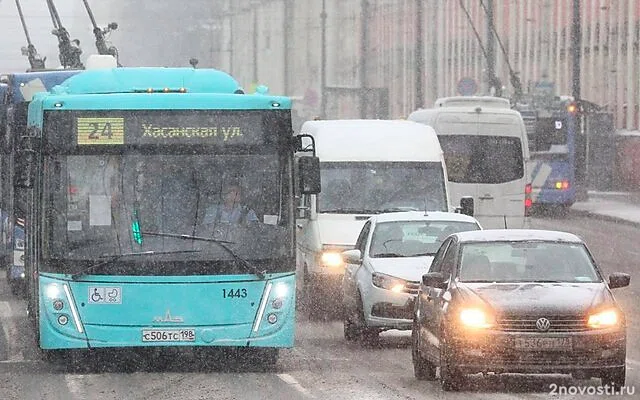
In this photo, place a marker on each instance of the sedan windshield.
(526, 262)
(413, 238)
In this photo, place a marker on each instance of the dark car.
(518, 301)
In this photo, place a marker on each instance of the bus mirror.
(25, 167)
(309, 170)
(466, 206)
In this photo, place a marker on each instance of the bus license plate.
(169, 335)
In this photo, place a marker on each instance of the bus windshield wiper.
(115, 257)
(222, 243)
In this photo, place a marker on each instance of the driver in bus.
(231, 210)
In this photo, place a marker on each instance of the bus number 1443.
(234, 293)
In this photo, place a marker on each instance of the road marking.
(291, 381)
(76, 385)
(10, 331)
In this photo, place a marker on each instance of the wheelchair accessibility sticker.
(105, 295)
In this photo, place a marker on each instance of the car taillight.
(562, 185)
(528, 202)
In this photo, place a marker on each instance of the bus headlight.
(281, 290)
(63, 319)
(53, 291)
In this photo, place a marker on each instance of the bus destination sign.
(169, 127)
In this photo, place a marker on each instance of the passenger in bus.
(231, 210)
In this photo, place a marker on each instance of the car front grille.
(412, 287)
(528, 324)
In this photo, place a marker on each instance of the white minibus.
(486, 151)
(367, 167)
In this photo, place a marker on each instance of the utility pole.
(420, 61)
(255, 45)
(323, 60)
(491, 54)
(286, 28)
(364, 42)
(576, 44)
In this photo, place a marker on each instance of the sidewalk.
(612, 206)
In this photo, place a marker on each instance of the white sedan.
(383, 272)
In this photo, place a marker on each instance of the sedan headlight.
(476, 318)
(603, 319)
(388, 282)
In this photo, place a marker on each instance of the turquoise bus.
(123, 168)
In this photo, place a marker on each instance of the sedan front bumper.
(387, 309)
(502, 352)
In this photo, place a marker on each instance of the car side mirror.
(309, 170)
(434, 279)
(618, 280)
(352, 256)
(466, 206)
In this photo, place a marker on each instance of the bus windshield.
(482, 159)
(373, 187)
(550, 135)
(102, 205)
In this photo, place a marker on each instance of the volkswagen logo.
(543, 324)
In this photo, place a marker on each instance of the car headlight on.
(476, 318)
(388, 282)
(603, 319)
(331, 259)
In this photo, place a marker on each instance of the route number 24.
(99, 130)
(234, 293)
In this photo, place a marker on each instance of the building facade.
(410, 52)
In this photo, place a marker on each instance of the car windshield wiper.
(115, 257)
(222, 243)
(349, 211)
(422, 254)
(399, 209)
(388, 255)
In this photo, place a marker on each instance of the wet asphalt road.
(322, 365)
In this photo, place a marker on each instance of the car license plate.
(544, 344)
(168, 335)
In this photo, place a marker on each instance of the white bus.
(367, 167)
(486, 152)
